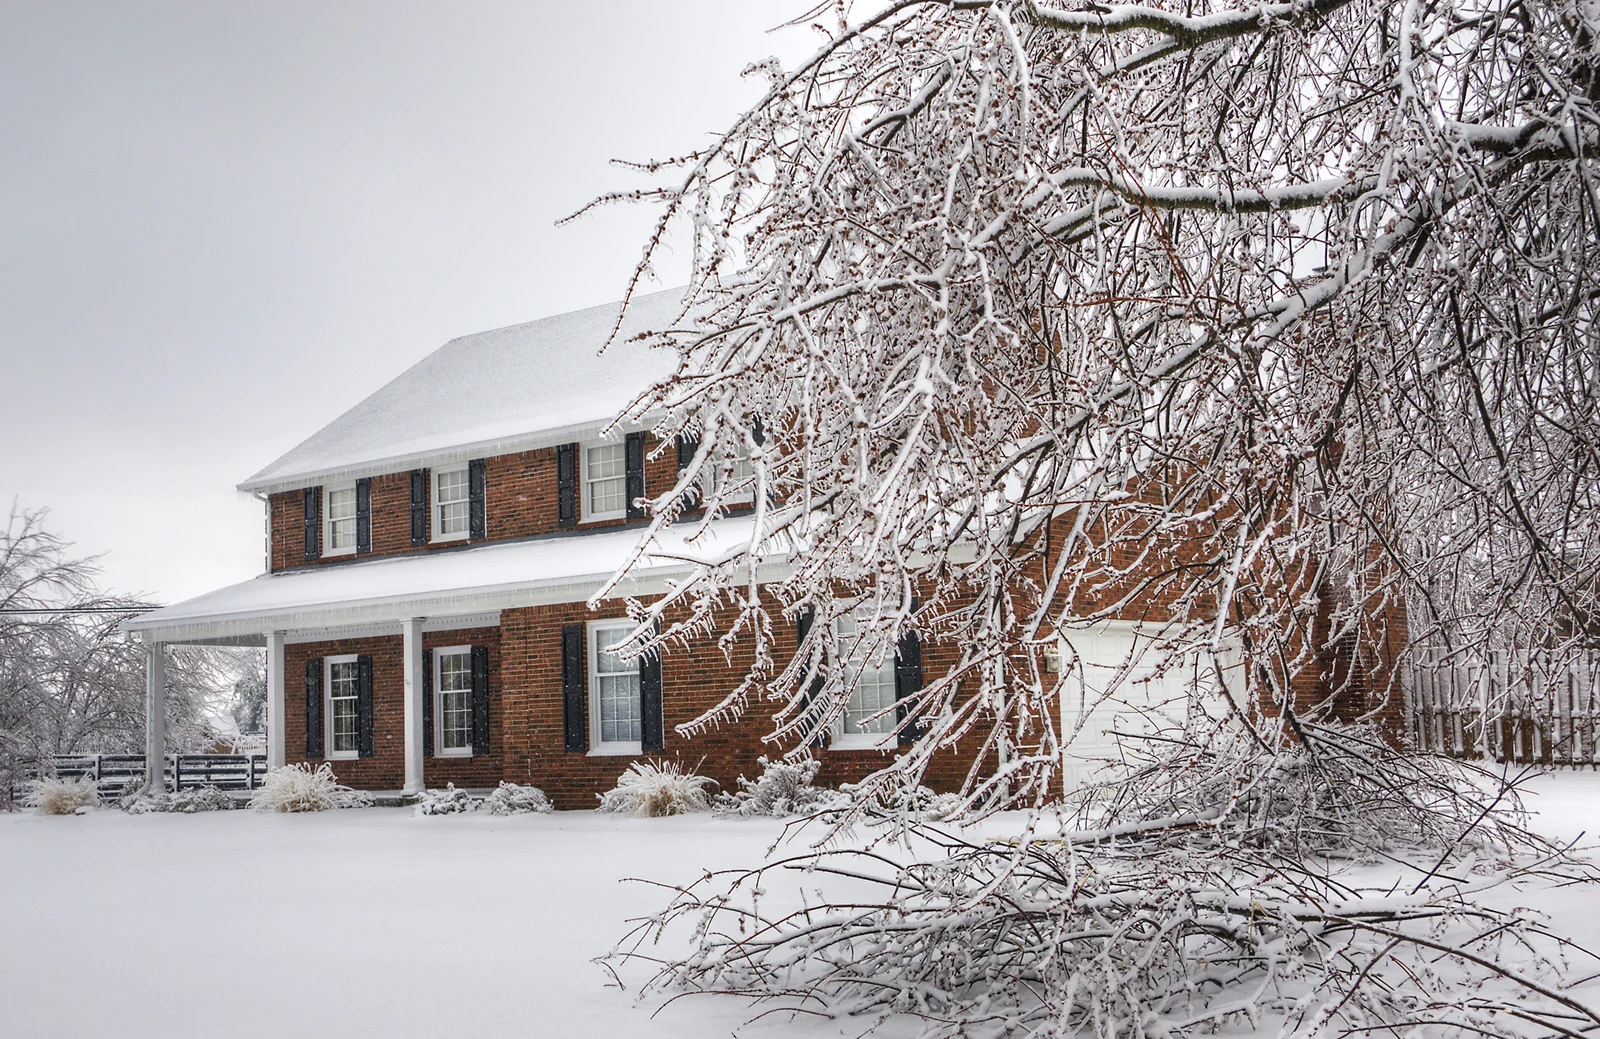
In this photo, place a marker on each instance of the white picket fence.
(1509, 707)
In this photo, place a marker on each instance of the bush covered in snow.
(301, 788)
(448, 801)
(62, 796)
(649, 789)
(511, 799)
(200, 799)
(783, 788)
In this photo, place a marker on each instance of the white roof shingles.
(490, 393)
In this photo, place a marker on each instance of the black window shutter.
(908, 681)
(313, 708)
(419, 507)
(687, 446)
(802, 629)
(574, 717)
(477, 525)
(427, 703)
(364, 706)
(633, 455)
(652, 726)
(758, 432)
(363, 516)
(312, 497)
(480, 699)
(567, 485)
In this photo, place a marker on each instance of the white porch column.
(411, 630)
(277, 739)
(155, 715)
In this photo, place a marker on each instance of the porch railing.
(1508, 707)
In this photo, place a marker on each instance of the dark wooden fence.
(181, 771)
(1510, 707)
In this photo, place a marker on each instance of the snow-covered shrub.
(448, 801)
(649, 789)
(511, 799)
(54, 796)
(301, 788)
(189, 802)
(783, 788)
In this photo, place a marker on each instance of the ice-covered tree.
(1257, 322)
(70, 681)
(1274, 309)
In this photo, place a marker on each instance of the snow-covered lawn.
(375, 922)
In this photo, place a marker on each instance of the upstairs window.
(452, 504)
(343, 688)
(605, 482)
(453, 701)
(339, 510)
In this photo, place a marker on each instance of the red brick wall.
(385, 769)
(519, 501)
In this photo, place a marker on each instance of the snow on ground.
(376, 922)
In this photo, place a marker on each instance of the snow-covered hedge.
(783, 788)
(61, 796)
(300, 788)
(511, 799)
(650, 789)
(507, 799)
(448, 801)
(200, 799)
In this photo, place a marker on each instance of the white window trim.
(584, 515)
(598, 748)
(327, 523)
(439, 750)
(327, 708)
(435, 505)
(746, 496)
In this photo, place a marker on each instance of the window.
(339, 510)
(872, 691)
(341, 683)
(605, 482)
(451, 507)
(614, 703)
(741, 478)
(452, 701)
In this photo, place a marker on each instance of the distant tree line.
(72, 682)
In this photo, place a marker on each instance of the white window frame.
(839, 739)
(327, 707)
(748, 495)
(436, 507)
(586, 516)
(327, 521)
(439, 750)
(597, 746)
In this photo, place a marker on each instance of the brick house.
(430, 554)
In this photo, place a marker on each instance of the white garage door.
(1111, 689)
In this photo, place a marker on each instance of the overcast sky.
(221, 224)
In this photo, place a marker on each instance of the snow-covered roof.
(510, 389)
(484, 578)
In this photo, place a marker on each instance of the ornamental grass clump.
(651, 789)
(56, 796)
(301, 788)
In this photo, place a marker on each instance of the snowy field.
(378, 923)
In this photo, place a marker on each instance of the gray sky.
(222, 224)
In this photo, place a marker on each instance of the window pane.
(342, 518)
(453, 493)
(616, 688)
(874, 685)
(342, 706)
(454, 681)
(607, 662)
(606, 475)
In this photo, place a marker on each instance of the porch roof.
(475, 580)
